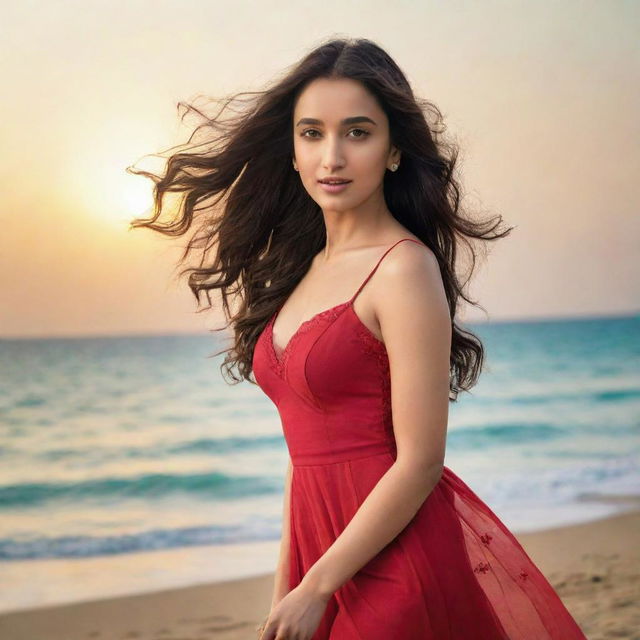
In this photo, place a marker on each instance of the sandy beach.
(594, 566)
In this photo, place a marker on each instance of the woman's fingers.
(261, 628)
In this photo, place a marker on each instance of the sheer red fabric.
(455, 571)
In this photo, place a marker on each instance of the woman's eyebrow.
(352, 120)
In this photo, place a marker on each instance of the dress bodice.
(330, 383)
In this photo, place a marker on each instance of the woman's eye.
(363, 133)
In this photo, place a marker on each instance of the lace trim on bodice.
(371, 345)
(279, 363)
(375, 347)
(370, 342)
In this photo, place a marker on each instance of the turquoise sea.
(112, 448)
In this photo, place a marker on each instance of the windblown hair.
(241, 197)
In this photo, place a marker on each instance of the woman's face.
(340, 130)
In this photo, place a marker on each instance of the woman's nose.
(332, 155)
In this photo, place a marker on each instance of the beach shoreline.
(594, 567)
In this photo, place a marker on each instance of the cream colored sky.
(542, 96)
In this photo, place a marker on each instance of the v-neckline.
(280, 359)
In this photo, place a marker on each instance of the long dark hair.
(241, 198)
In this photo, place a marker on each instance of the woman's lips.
(335, 187)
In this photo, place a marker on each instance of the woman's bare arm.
(411, 305)
(281, 581)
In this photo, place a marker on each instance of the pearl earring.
(394, 166)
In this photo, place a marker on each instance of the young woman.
(337, 219)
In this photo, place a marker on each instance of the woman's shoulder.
(409, 259)
(405, 268)
(409, 277)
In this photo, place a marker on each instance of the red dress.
(455, 571)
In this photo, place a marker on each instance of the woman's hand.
(261, 626)
(296, 616)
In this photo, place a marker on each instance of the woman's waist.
(338, 450)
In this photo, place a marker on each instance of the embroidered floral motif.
(523, 575)
(376, 348)
(486, 538)
(483, 567)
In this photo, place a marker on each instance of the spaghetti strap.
(355, 295)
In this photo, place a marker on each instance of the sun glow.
(102, 187)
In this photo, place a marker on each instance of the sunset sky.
(541, 96)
